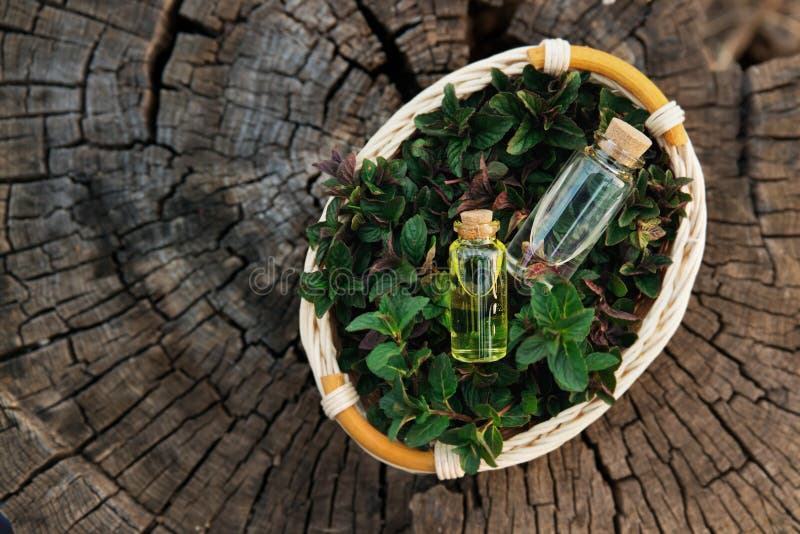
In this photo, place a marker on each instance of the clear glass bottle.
(478, 290)
(576, 209)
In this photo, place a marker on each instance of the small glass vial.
(478, 290)
(576, 209)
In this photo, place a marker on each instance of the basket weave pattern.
(660, 323)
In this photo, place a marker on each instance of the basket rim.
(657, 326)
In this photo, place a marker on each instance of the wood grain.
(155, 183)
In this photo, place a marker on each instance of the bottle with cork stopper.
(478, 290)
(577, 208)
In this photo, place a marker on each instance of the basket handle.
(620, 71)
(373, 441)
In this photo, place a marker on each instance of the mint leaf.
(569, 367)
(450, 101)
(533, 102)
(488, 129)
(500, 80)
(568, 92)
(576, 326)
(649, 284)
(431, 123)
(397, 424)
(616, 234)
(531, 350)
(442, 378)
(455, 150)
(598, 361)
(530, 402)
(386, 360)
(526, 137)
(413, 238)
(422, 433)
(494, 440)
(514, 418)
(470, 459)
(339, 257)
(393, 209)
(564, 133)
(460, 436)
(374, 321)
(508, 104)
(402, 307)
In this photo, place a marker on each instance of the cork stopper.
(476, 224)
(624, 143)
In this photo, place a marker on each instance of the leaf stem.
(453, 415)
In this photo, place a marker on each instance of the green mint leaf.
(422, 433)
(382, 323)
(649, 284)
(616, 234)
(534, 103)
(599, 361)
(564, 133)
(484, 445)
(369, 233)
(487, 412)
(616, 103)
(488, 129)
(393, 209)
(418, 356)
(413, 238)
(313, 285)
(461, 119)
(470, 460)
(567, 93)
(442, 378)
(332, 213)
(431, 123)
(514, 418)
(529, 402)
(322, 305)
(567, 298)
(455, 150)
(617, 286)
(536, 79)
(339, 257)
(576, 326)
(531, 350)
(462, 435)
(495, 169)
(397, 424)
(508, 104)
(569, 367)
(500, 81)
(395, 403)
(549, 305)
(527, 136)
(450, 101)
(386, 360)
(495, 441)
(402, 307)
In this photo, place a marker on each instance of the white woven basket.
(340, 399)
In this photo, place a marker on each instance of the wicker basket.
(340, 400)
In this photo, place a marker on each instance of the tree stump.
(155, 183)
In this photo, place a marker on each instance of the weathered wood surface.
(154, 158)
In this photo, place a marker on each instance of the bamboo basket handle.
(581, 58)
(620, 71)
(375, 443)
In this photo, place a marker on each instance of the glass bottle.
(478, 290)
(576, 209)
